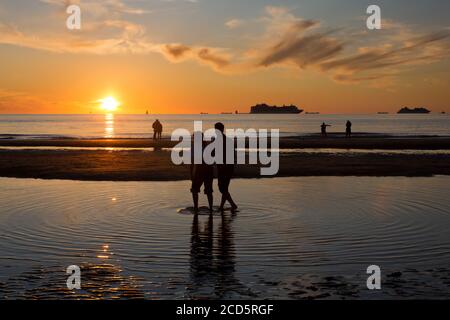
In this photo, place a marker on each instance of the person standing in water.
(160, 130)
(348, 130)
(323, 129)
(201, 174)
(225, 172)
(157, 130)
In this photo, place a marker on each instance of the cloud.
(216, 59)
(123, 37)
(425, 49)
(300, 49)
(303, 44)
(211, 56)
(99, 8)
(234, 23)
(286, 40)
(175, 52)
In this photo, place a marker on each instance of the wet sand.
(141, 165)
(338, 141)
(102, 165)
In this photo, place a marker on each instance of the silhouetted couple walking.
(203, 174)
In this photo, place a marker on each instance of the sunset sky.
(191, 56)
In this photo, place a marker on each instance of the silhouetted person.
(323, 129)
(156, 127)
(348, 130)
(201, 174)
(225, 172)
(160, 130)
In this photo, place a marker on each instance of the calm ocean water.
(293, 238)
(139, 126)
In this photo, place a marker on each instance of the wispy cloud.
(99, 7)
(286, 40)
(425, 49)
(214, 57)
(234, 23)
(304, 44)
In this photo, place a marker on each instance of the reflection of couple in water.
(212, 260)
(203, 174)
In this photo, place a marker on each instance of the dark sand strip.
(312, 141)
(100, 165)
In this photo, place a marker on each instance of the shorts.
(203, 175)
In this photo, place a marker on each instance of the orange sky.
(48, 69)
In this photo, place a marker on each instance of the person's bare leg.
(222, 202)
(195, 199)
(230, 200)
(210, 201)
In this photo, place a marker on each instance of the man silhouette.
(323, 129)
(348, 130)
(225, 172)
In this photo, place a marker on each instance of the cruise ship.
(415, 110)
(266, 109)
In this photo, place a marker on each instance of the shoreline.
(333, 141)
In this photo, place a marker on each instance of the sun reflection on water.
(105, 253)
(109, 125)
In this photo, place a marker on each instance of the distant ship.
(415, 110)
(313, 113)
(383, 112)
(264, 108)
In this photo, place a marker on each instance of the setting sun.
(109, 104)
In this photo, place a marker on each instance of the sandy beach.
(130, 164)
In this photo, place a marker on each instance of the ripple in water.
(293, 238)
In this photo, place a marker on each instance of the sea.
(294, 238)
(140, 126)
